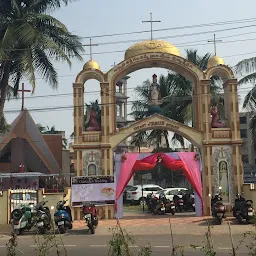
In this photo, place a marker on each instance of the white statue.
(223, 178)
(154, 97)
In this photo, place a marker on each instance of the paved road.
(81, 243)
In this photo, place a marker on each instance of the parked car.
(170, 192)
(134, 194)
(128, 187)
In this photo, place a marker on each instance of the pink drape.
(192, 171)
(126, 172)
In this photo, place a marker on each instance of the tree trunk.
(4, 88)
(166, 140)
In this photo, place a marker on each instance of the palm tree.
(177, 92)
(247, 67)
(30, 40)
(52, 130)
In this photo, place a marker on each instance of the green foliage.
(12, 245)
(121, 242)
(30, 41)
(48, 243)
(52, 130)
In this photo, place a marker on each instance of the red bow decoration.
(123, 158)
(196, 157)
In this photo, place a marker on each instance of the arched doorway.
(216, 144)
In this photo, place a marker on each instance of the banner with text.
(94, 188)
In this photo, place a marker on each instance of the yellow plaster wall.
(52, 199)
(249, 194)
(4, 206)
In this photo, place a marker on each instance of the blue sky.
(91, 18)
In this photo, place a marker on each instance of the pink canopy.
(186, 162)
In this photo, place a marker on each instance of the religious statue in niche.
(92, 163)
(92, 117)
(92, 170)
(223, 178)
(154, 97)
(216, 122)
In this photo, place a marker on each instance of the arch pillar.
(231, 86)
(204, 121)
(78, 95)
(104, 112)
(107, 160)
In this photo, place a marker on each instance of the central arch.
(155, 122)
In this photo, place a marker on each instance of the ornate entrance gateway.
(219, 143)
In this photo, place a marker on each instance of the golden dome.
(91, 64)
(215, 61)
(151, 46)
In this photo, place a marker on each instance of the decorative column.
(205, 122)
(78, 95)
(230, 87)
(104, 112)
(197, 106)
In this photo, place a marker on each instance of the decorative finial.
(151, 21)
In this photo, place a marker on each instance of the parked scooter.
(22, 219)
(243, 210)
(43, 217)
(63, 217)
(179, 203)
(91, 216)
(218, 208)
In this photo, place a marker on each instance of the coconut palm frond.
(245, 66)
(252, 127)
(250, 100)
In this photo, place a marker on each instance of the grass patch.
(134, 208)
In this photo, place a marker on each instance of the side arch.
(158, 122)
(222, 71)
(86, 75)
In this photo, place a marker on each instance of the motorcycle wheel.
(41, 230)
(180, 209)
(62, 229)
(92, 229)
(239, 219)
(173, 212)
(70, 226)
(219, 221)
(18, 231)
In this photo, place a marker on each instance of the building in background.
(25, 150)
(248, 149)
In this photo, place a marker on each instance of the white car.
(134, 194)
(170, 192)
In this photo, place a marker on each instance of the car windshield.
(161, 191)
(132, 189)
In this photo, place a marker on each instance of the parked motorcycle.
(179, 203)
(157, 204)
(189, 202)
(169, 207)
(43, 217)
(91, 216)
(151, 201)
(22, 219)
(63, 217)
(218, 208)
(243, 210)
